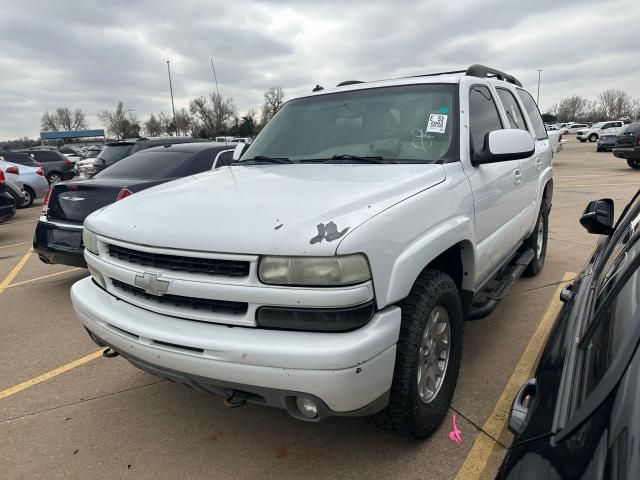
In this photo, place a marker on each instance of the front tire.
(593, 137)
(633, 163)
(427, 357)
(537, 241)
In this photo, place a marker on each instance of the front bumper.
(632, 153)
(348, 373)
(59, 243)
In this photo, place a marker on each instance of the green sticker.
(444, 110)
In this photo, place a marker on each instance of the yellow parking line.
(14, 245)
(46, 376)
(26, 282)
(12, 274)
(476, 461)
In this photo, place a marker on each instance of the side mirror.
(598, 217)
(505, 145)
(237, 152)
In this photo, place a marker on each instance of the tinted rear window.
(113, 153)
(632, 128)
(47, 156)
(19, 158)
(148, 165)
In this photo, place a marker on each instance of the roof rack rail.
(485, 72)
(349, 82)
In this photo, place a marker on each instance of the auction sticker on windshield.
(437, 123)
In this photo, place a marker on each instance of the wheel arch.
(456, 260)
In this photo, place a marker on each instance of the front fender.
(403, 239)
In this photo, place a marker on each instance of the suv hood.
(276, 209)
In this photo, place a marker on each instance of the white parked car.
(574, 128)
(330, 270)
(592, 134)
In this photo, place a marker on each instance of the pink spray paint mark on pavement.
(455, 435)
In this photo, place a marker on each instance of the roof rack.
(349, 82)
(485, 72)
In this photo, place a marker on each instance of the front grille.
(198, 304)
(210, 266)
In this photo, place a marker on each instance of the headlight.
(315, 271)
(90, 241)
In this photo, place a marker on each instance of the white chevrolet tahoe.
(330, 269)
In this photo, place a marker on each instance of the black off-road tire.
(536, 265)
(633, 163)
(406, 414)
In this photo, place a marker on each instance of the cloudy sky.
(90, 54)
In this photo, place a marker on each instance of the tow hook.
(110, 353)
(232, 400)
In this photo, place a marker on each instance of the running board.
(486, 301)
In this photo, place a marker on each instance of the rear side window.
(632, 128)
(483, 116)
(47, 156)
(514, 113)
(534, 114)
(149, 165)
(113, 153)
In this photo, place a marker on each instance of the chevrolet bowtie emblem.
(151, 285)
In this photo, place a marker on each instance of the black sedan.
(58, 236)
(579, 416)
(7, 203)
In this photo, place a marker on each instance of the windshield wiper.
(262, 159)
(352, 158)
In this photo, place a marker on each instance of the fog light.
(307, 407)
(97, 277)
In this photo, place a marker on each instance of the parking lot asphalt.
(64, 414)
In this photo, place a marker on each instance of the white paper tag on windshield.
(437, 123)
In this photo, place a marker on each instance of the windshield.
(113, 153)
(411, 123)
(147, 165)
(597, 125)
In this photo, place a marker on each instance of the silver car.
(34, 182)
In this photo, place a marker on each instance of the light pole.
(538, 97)
(172, 106)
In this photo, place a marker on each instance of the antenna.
(215, 79)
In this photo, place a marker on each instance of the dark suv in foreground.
(116, 151)
(579, 416)
(628, 145)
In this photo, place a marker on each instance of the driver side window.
(483, 116)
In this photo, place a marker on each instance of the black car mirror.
(598, 217)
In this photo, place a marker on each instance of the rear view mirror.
(504, 145)
(598, 217)
(237, 152)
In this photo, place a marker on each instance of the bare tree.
(248, 123)
(63, 119)
(616, 104)
(200, 108)
(273, 101)
(184, 121)
(223, 111)
(153, 127)
(167, 124)
(122, 122)
(571, 108)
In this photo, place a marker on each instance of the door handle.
(539, 163)
(517, 176)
